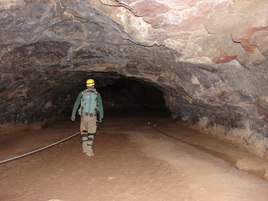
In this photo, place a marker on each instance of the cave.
(212, 73)
(203, 64)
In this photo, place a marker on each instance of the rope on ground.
(40, 149)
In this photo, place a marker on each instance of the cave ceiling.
(209, 58)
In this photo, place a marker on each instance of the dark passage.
(121, 95)
(128, 94)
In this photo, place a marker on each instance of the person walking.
(91, 113)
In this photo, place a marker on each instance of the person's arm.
(100, 107)
(76, 105)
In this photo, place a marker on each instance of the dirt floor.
(137, 158)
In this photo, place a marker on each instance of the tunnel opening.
(122, 95)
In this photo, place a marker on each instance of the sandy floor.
(136, 158)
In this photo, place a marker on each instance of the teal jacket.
(99, 105)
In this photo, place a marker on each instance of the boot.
(84, 141)
(90, 151)
(90, 142)
(84, 147)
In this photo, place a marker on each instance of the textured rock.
(208, 58)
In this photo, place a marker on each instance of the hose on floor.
(37, 150)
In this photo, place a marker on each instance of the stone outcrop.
(208, 58)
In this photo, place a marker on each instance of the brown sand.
(137, 158)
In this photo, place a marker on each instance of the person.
(91, 113)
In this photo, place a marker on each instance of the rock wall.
(209, 58)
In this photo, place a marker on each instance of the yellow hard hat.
(90, 82)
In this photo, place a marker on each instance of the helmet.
(90, 82)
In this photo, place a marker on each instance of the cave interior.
(205, 66)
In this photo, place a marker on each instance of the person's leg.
(92, 127)
(84, 133)
(88, 127)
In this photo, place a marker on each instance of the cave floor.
(137, 157)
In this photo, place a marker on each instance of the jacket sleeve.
(100, 106)
(76, 104)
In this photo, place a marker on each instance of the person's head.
(90, 83)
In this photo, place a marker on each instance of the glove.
(100, 121)
(73, 118)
